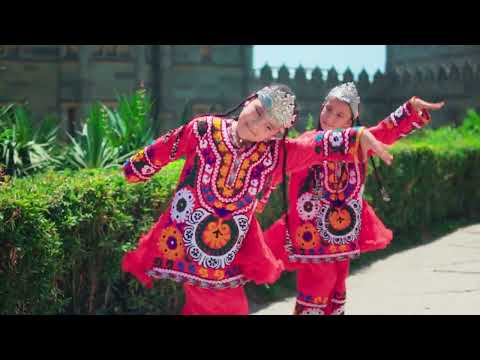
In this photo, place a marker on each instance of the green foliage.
(62, 238)
(25, 149)
(91, 149)
(129, 128)
(310, 123)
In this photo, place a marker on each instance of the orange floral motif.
(231, 207)
(340, 219)
(218, 204)
(332, 249)
(217, 234)
(219, 274)
(170, 244)
(307, 236)
(343, 248)
(228, 192)
(203, 272)
(320, 300)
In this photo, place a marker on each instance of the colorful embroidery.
(305, 308)
(170, 244)
(340, 225)
(307, 237)
(213, 242)
(400, 114)
(230, 180)
(209, 215)
(307, 208)
(182, 205)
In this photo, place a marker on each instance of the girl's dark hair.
(381, 188)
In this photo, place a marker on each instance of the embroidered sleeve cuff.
(408, 120)
(139, 167)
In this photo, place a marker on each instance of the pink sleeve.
(167, 148)
(402, 122)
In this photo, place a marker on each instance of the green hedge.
(62, 238)
(63, 234)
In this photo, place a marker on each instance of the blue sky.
(357, 57)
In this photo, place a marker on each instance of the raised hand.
(420, 105)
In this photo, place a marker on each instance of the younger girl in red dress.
(328, 221)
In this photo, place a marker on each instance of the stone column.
(140, 64)
(247, 59)
(84, 54)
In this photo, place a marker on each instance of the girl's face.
(335, 114)
(255, 125)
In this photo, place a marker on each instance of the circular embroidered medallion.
(182, 205)
(340, 225)
(307, 237)
(307, 208)
(213, 242)
(170, 244)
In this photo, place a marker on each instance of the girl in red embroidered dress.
(329, 222)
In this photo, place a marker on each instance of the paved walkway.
(442, 277)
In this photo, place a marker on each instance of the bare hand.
(369, 142)
(419, 104)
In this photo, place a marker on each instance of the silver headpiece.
(347, 92)
(278, 104)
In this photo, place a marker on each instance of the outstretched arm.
(167, 148)
(412, 115)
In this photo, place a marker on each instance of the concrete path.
(442, 277)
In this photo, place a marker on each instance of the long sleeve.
(169, 147)
(402, 122)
